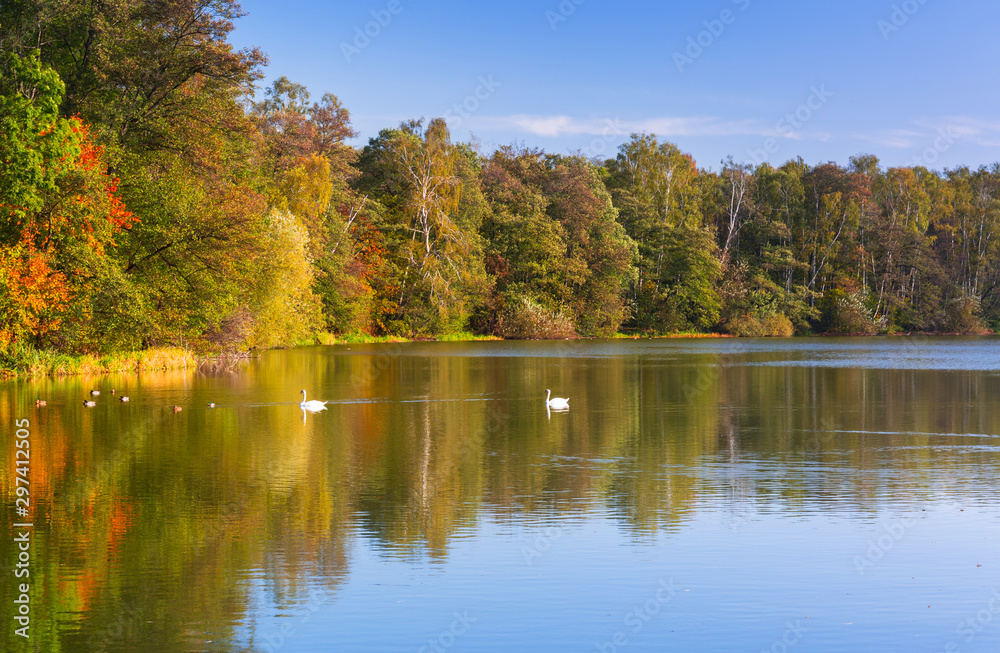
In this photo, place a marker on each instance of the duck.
(123, 398)
(177, 409)
(89, 404)
(211, 404)
(555, 402)
(94, 393)
(313, 405)
(39, 403)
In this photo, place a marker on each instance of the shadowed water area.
(698, 495)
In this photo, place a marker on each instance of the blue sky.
(911, 81)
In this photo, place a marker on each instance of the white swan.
(314, 405)
(558, 403)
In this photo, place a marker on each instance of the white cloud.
(899, 139)
(699, 126)
(665, 126)
(976, 130)
(548, 125)
(923, 132)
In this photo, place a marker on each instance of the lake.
(698, 495)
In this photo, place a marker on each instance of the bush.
(776, 325)
(846, 313)
(526, 319)
(231, 334)
(963, 316)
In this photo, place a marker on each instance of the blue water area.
(697, 495)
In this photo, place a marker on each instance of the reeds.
(31, 362)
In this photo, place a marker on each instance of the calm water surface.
(699, 495)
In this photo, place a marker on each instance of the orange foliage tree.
(59, 212)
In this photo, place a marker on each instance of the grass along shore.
(30, 362)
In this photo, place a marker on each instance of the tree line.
(148, 197)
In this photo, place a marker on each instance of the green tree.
(968, 244)
(60, 215)
(525, 247)
(554, 246)
(166, 93)
(736, 201)
(134, 69)
(660, 194)
(600, 252)
(430, 190)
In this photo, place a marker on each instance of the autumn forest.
(153, 194)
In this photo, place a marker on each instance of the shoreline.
(48, 364)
